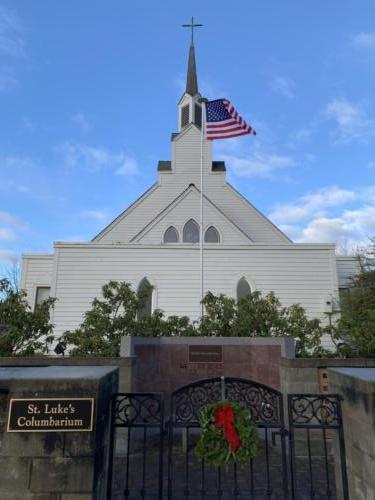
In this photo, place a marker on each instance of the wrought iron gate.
(265, 473)
(137, 432)
(316, 437)
(156, 459)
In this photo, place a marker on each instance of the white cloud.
(364, 40)
(8, 257)
(261, 159)
(352, 228)
(14, 171)
(7, 234)
(99, 215)
(330, 215)
(11, 220)
(363, 217)
(16, 163)
(11, 33)
(291, 230)
(10, 226)
(257, 164)
(313, 204)
(350, 119)
(129, 167)
(97, 158)
(283, 85)
(324, 230)
(81, 121)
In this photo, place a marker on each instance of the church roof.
(192, 80)
(126, 211)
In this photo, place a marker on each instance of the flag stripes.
(223, 121)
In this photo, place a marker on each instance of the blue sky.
(88, 99)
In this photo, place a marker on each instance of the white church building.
(157, 239)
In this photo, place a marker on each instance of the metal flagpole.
(202, 100)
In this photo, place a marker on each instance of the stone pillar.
(357, 387)
(56, 465)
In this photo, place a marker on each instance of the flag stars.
(223, 121)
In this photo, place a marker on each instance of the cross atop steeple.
(191, 80)
(192, 25)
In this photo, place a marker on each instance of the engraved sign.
(205, 354)
(51, 415)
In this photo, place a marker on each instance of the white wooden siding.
(185, 171)
(36, 271)
(347, 267)
(296, 273)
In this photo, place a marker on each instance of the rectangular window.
(198, 115)
(185, 116)
(42, 293)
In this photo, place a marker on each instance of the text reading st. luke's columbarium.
(50, 415)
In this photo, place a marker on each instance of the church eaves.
(166, 166)
(192, 80)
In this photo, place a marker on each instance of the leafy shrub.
(354, 333)
(115, 315)
(24, 332)
(261, 316)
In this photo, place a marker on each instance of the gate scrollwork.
(314, 410)
(132, 409)
(264, 403)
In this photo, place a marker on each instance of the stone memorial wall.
(162, 364)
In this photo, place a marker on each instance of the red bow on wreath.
(224, 419)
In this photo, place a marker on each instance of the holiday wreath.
(228, 434)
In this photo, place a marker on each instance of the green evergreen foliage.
(261, 316)
(354, 333)
(220, 314)
(23, 332)
(115, 315)
(213, 447)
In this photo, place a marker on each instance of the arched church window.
(211, 235)
(171, 235)
(191, 232)
(243, 289)
(146, 309)
(185, 115)
(198, 115)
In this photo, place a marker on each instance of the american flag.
(223, 121)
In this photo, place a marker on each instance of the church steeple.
(192, 80)
(189, 108)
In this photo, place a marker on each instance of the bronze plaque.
(51, 415)
(205, 353)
